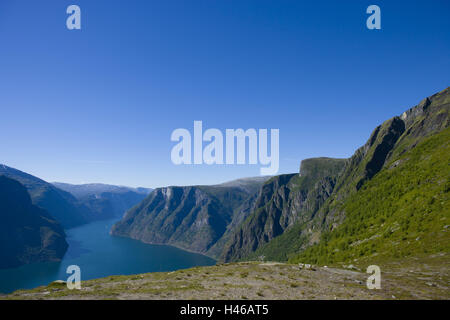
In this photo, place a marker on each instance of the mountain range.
(391, 194)
(389, 200)
(105, 201)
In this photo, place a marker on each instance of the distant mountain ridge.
(105, 201)
(89, 189)
(75, 205)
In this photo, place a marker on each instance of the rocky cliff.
(283, 201)
(193, 218)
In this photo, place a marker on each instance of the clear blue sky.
(99, 104)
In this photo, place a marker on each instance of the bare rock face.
(28, 233)
(381, 143)
(196, 218)
(430, 116)
(410, 115)
(283, 201)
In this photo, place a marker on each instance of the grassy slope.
(403, 211)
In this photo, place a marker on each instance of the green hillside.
(403, 211)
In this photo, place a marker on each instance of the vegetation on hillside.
(403, 211)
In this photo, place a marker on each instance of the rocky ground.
(410, 279)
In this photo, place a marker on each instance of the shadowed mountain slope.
(27, 233)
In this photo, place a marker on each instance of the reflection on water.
(99, 255)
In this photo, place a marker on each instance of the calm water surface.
(99, 255)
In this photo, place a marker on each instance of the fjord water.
(98, 254)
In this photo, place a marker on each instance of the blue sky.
(99, 104)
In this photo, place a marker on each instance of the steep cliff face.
(429, 117)
(279, 228)
(194, 218)
(403, 211)
(361, 167)
(27, 233)
(283, 201)
(386, 143)
(239, 216)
